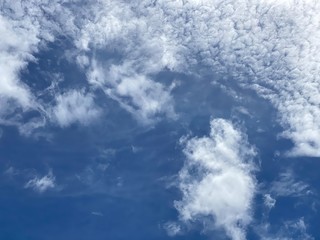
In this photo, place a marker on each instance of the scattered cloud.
(42, 184)
(217, 179)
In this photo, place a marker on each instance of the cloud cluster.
(26, 27)
(217, 180)
(268, 46)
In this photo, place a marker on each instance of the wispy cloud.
(75, 107)
(42, 184)
(288, 186)
(295, 229)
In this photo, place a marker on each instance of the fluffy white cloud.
(75, 107)
(42, 184)
(217, 180)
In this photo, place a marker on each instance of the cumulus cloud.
(217, 180)
(42, 184)
(75, 107)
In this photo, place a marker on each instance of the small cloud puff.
(42, 184)
(75, 107)
(172, 228)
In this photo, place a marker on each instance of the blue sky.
(194, 119)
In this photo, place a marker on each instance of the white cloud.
(217, 180)
(75, 107)
(42, 184)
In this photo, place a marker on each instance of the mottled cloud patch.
(217, 179)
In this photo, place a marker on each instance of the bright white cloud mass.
(217, 181)
(123, 59)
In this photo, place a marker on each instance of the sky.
(159, 119)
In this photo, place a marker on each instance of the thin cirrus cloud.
(217, 179)
(286, 185)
